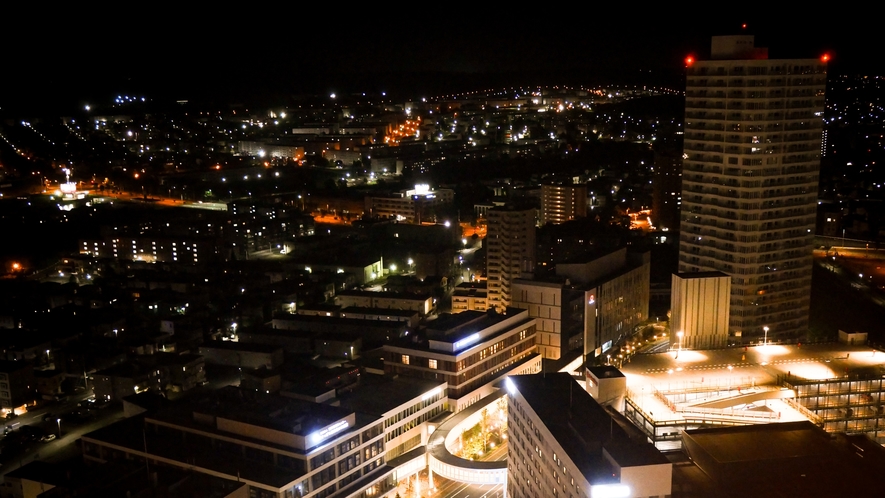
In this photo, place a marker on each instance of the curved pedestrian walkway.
(443, 463)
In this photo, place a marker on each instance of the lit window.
(431, 364)
(405, 359)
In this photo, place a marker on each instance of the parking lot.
(740, 378)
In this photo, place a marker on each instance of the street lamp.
(765, 339)
(58, 421)
(730, 368)
(679, 335)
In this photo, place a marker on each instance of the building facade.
(616, 288)
(416, 205)
(699, 310)
(562, 443)
(470, 296)
(278, 446)
(510, 243)
(750, 180)
(667, 188)
(470, 351)
(17, 384)
(554, 305)
(561, 203)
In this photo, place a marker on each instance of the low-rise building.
(157, 372)
(415, 205)
(242, 354)
(409, 317)
(17, 384)
(470, 351)
(279, 447)
(154, 249)
(291, 445)
(783, 459)
(470, 296)
(119, 381)
(422, 303)
(405, 405)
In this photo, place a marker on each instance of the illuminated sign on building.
(421, 190)
(466, 341)
(325, 433)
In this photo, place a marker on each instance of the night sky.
(75, 56)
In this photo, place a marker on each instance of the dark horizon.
(183, 59)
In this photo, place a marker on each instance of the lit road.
(154, 200)
(63, 447)
(36, 415)
(452, 489)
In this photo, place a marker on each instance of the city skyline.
(304, 257)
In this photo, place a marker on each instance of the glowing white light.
(322, 435)
(610, 491)
(466, 341)
(431, 394)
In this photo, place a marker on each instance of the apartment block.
(750, 181)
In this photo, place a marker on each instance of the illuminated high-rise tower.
(510, 246)
(561, 203)
(750, 180)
